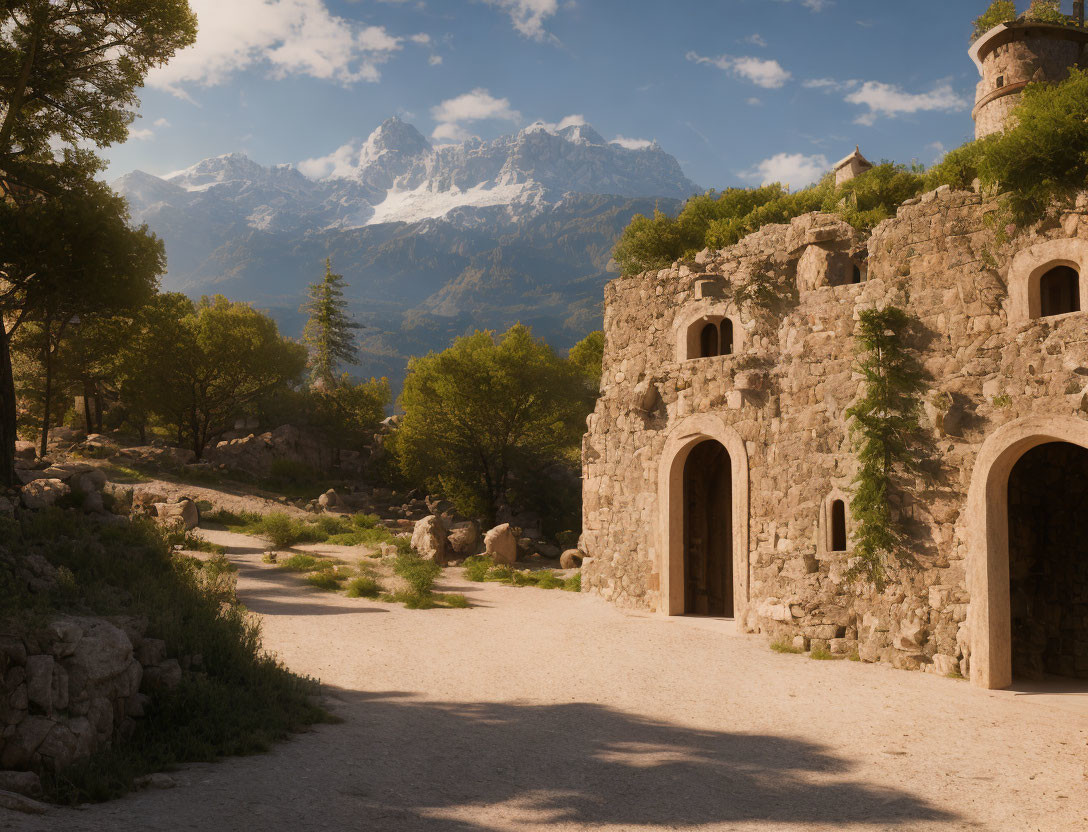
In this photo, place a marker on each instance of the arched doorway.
(1059, 292)
(1048, 562)
(997, 485)
(719, 471)
(708, 531)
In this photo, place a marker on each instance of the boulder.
(21, 803)
(571, 559)
(330, 500)
(89, 481)
(501, 544)
(429, 539)
(44, 493)
(21, 782)
(25, 451)
(183, 513)
(464, 538)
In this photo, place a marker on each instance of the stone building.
(1013, 55)
(719, 465)
(852, 166)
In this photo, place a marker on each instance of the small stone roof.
(855, 156)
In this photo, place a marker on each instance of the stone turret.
(853, 165)
(1013, 55)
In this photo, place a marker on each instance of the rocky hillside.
(434, 241)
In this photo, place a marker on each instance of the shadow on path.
(586, 765)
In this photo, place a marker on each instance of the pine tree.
(329, 331)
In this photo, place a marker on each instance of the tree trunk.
(48, 397)
(97, 408)
(7, 412)
(88, 416)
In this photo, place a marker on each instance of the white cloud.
(161, 122)
(794, 169)
(768, 74)
(423, 39)
(341, 162)
(756, 40)
(816, 5)
(478, 105)
(888, 100)
(563, 123)
(142, 134)
(632, 144)
(938, 149)
(287, 37)
(435, 60)
(829, 85)
(528, 16)
(755, 102)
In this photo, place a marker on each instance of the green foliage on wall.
(886, 419)
(1000, 11)
(717, 220)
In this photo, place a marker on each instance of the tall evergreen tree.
(330, 331)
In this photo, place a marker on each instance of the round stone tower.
(1013, 55)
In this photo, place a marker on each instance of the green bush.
(821, 654)
(1046, 11)
(306, 563)
(455, 601)
(328, 579)
(573, 583)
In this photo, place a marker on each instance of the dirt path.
(549, 710)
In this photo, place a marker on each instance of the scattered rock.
(21, 782)
(155, 781)
(43, 493)
(464, 538)
(21, 803)
(571, 559)
(501, 544)
(183, 513)
(429, 539)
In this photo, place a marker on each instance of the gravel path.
(546, 710)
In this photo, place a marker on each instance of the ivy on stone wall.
(886, 421)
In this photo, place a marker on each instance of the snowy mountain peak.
(396, 175)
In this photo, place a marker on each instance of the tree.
(67, 262)
(486, 412)
(587, 356)
(198, 367)
(69, 72)
(329, 331)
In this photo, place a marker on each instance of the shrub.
(283, 531)
(364, 586)
(573, 583)
(455, 601)
(306, 563)
(1046, 11)
(821, 654)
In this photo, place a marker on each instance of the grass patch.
(307, 563)
(822, 654)
(364, 586)
(125, 474)
(783, 646)
(241, 702)
(455, 600)
(330, 580)
(284, 531)
(480, 568)
(193, 542)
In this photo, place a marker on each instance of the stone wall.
(785, 395)
(74, 686)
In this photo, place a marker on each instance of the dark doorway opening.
(708, 531)
(838, 526)
(1048, 562)
(708, 341)
(1059, 292)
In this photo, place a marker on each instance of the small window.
(838, 526)
(1059, 292)
(708, 341)
(727, 337)
(855, 276)
(1000, 81)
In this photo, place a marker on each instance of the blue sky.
(740, 91)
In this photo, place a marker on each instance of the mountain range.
(433, 241)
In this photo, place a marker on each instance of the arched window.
(727, 337)
(855, 277)
(708, 341)
(1059, 292)
(838, 526)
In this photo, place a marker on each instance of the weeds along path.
(548, 710)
